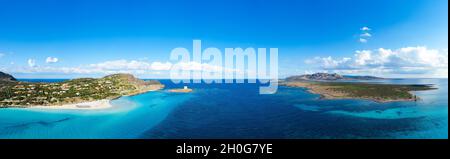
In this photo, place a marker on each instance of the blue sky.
(66, 39)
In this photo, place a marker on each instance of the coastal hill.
(330, 87)
(329, 77)
(6, 77)
(25, 94)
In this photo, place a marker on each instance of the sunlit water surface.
(238, 111)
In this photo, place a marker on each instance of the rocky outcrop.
(328, 77)
(316, 77)
(6, 77)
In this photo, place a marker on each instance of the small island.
(334, 86)
(184, 90)
(82, 93)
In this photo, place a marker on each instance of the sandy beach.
(180, 90)
(94, 105)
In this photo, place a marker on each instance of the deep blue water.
(238, 111)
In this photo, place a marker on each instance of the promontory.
(335, 86)
(15, 93)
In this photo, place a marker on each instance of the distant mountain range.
(329, 77)
(362, 77)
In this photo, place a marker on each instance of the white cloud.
(51, 60)
(362, 40)
(365, 29)
(32, 62)
(119, 66)
(131, 65)
(1, 55)
(161, 66)
(108, 67)
(365, 35)
(404, 61)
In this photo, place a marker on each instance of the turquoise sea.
(238, 111)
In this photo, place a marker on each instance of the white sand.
(100, 104)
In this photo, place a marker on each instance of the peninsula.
(76, 93)
(335, 86)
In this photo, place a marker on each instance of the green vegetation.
(13, 93)
(376, 91)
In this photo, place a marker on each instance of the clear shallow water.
(238, 111)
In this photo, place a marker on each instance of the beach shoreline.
(92, 105)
